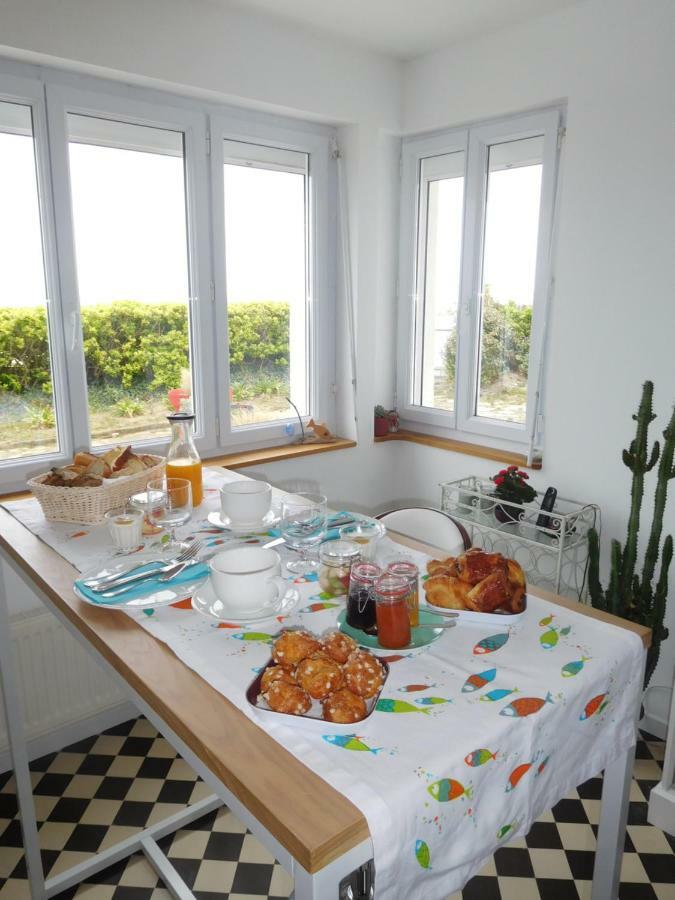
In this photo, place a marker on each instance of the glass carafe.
(182, 459)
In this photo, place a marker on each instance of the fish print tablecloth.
(473, 739)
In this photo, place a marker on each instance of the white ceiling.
(404, 28)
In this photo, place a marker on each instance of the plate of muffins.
(318, 681)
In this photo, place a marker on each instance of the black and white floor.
(99, 791)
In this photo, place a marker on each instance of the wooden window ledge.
(441, 443)
(246, 458)
(275, 454)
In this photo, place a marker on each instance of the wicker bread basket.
(88, 505)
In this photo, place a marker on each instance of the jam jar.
(337, 558)
(360, 603)
(390, 593)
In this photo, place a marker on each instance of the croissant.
(446, 591)
(476, 581)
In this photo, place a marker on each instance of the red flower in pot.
(511, 485)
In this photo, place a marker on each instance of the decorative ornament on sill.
(630, 594)
(318, 433)
(386, 420)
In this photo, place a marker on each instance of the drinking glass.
(303, 525)
(170, 505)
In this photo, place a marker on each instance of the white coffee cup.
(245, 502)
(247, 579)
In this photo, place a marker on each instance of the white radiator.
(61, 684)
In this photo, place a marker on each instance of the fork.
(107, 580)
(188, 554)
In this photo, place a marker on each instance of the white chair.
(431, 526)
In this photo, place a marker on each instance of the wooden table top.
(312, 820)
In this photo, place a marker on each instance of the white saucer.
(215, 518)
(205, 601)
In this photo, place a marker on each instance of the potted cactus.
(631, 594)
(511, 485)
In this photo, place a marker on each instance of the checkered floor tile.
(101, 790)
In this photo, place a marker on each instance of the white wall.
(613, 323)
(208, 47)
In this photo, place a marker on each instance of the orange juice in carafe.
(182, 459)
(190, 469)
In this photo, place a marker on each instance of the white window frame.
(62, 101)
(14, 472)
(320, 266)
(52, 95)
(463, 423)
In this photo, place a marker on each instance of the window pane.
(509, 267)
(440, 246)
(266, 265)
(27, 414)
(129, 213)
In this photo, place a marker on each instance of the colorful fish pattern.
(506, 829)
(448, 789)
(397, 706)
(573, 668)
(549, 639)
(498, 694)
(491, 643)
(423, 854)
(412, 688)
(546, 621)
(516, 775)
(525, 706)
(542, 766)
(596, 705)
(319, 606)
(476, 682)
(479, 757)
(255, 636)
(432, 701)
(350, 742)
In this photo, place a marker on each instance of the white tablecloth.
(478, 734)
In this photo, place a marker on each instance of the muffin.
(291, 647)
(275, 673)
(363, 674)
(319, 676)
(344, 707)
(287, 698)
(338, 646)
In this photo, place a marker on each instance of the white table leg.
(613, 818)
(325, 884)
(17, 750)
(612, 829)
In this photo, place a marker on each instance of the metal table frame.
(355, 866)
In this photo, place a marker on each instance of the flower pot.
(505, 514)
(381, 426)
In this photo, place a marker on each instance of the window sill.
(441, 443)
(276, 454)
(246, 458)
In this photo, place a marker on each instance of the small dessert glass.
(125, 525)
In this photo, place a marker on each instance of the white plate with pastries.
(481, 587)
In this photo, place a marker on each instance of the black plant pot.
(506, 514)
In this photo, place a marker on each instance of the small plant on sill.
(381, 421)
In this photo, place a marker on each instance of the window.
(160, 252)
(266, 281)
(131, 247)
(27, 406)
(477, 210)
